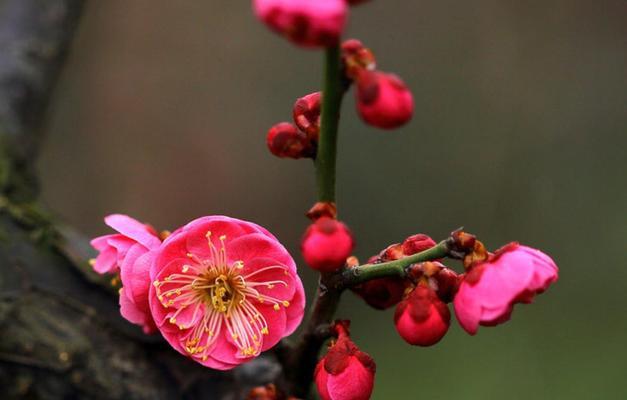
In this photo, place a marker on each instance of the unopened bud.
(357, 58)
(383, 100)
(422, 319)
(286, 141)
(327, 244)
(306, 113)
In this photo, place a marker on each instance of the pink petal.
(129, 311)
(354, 383)
(467, 309)
(133, 229)
(102, 242)
(106, 262)
(277, 290)
(256, 245)
(296, 310)
(276, 320)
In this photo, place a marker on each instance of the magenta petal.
(276, 289)
(354, 383)
(467, 309)
(135, 275)
(276, 320)
(106, 262)
(101, 242)
(256, 245)
(133, 229)
(223, 350)
(129, 311)
(296, 310)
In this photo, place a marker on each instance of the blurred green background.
(520, 133)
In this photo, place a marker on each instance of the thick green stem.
(365, 272)
(332, 93)
(301, 361)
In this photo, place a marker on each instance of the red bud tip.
(422, 319)
(286, 141)
(327, 244)
(383, 100)
(357, 58)
(306, 113)
(345, 372)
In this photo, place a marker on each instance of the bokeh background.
(520, 133)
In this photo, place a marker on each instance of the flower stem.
(332, 93)
(300, 363)
(365, 272)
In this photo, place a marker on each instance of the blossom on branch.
(130, 252)
(491, 288)
(224, 290)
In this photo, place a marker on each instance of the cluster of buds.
(484, 295)
(299, 139)
(345, 372)
(383, 293)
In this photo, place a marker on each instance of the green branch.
(332, 93)
(365, 272)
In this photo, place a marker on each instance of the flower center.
(211, 295)
(225, 292)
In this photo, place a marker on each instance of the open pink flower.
(224, 290)
(307, 23)
(113, 248)
(488, 292)
(130, 252)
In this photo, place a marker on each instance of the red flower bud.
(356, 58)
(422, 319)
(267, 392)
(383, 293)
(306, 114)
(326, 244)
(383, 100)
(417, 243)
(286, 141)
(448, 282)
(322, 209)
(345, 372)
(391, 253)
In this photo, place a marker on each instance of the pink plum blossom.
(307, 23)
(130, 252)
(223, 290)
(488, 292)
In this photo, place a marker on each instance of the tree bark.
(61, 333)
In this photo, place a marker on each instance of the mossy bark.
(61, 333)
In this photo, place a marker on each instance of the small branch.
(354, 276)
(300, 363)
(332, 94)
